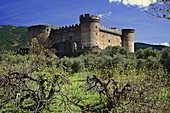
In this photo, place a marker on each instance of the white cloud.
(105, 15)
(140, 3)
(165, 44)
(114, 1)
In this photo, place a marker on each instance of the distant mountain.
(139, 45)
(13, 37)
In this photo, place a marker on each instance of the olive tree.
(27, 83)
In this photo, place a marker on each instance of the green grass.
(78, 88)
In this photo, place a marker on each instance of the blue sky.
(121, 14)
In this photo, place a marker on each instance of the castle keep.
(87, 35)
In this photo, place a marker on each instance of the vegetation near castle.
(114, 80)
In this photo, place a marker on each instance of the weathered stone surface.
(88, 34)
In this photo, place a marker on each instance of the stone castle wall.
(64, 37)
(109, 37)
(71, 33)
(41, 32)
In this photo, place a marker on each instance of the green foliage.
(23, 51)
(111, 51)
(77, 65)
(29, 84)
(145, 53)
(113, 81)
(141, 63)
(13, 37)
(165, 58)
(126, 90)
(152, 62)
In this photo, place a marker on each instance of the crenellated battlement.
(88, 18)
(115, 31)
(69, 28)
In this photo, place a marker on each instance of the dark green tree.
(165, 58)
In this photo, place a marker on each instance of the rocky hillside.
(139, 45)
(13, 37)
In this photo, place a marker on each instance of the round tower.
(41, 32)
(89, 30)
(128, 39)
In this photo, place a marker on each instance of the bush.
(152, 62)
(165, 58)
(141, 90)
(119, 61)
(23, 51)
(77, 65)
(111, 51)
(104, 61)
(29, 85)
(145, 53)
(52, 61)
(141, 63)
(89, 60)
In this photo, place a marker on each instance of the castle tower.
(89, 30)
(128, 39)
(41, 32)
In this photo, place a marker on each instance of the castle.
(87, 35)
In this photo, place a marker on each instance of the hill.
(13, 37)
(139, 45)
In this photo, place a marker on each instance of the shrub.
(23, 51)
(119, 61)
(145, 53)
(141, 63)
(52, 61)
(104, 61)
(89, 60)
(111, 51)
(77, 65)
(29, 85)
(142, 90)
(165, 58)
(152, 62)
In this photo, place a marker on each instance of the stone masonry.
(87, 35)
